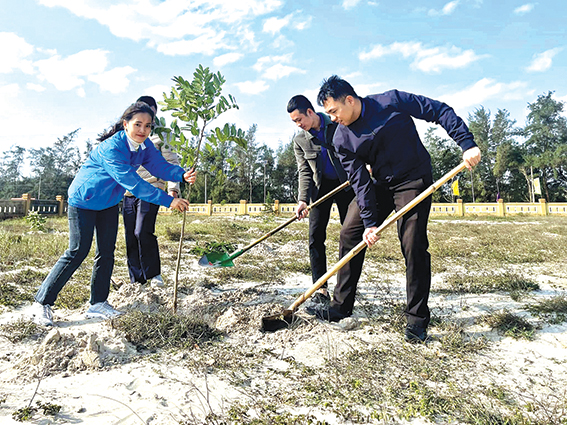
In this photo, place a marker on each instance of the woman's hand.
(190, 176)
(179, 204)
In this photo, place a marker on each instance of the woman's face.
(139, 127)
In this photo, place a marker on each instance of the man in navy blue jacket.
(378, 131)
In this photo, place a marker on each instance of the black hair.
(301, 103)
(149, 100)
(133, 109)
(336, 88)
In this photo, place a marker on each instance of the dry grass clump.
(552, 310)
(164, 329)
(509, 324)
(19, 330)
(487, 282)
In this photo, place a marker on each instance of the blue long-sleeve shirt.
(385, 137)
(110, 170)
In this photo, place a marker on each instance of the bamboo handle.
(391, 220)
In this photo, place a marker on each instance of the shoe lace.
(47, 311)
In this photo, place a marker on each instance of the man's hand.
(179, 204)
(471, 157)
(190, 176)
(370, 237)
(173, 193)
(301, 211)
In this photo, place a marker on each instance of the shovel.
(283, 320)
(222, 259)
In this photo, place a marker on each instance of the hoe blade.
(216, 259)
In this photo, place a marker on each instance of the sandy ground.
(98, 377)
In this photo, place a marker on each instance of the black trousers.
(318, 221)
(141, 243)
(412, 233)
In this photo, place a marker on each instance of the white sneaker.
(41, 314)
(102, 310)
(157, 281)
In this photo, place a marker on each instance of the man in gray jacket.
(320, 171)
(140, 219)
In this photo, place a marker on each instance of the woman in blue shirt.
(94, 196)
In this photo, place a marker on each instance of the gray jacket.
(307, 149)
(170, 157)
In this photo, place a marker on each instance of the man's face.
(341, 111)
(303, 121)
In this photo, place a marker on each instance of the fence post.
(277, 207)
(60, 199)
(242, 209)
(209, 207)
(460, 208)
(543, 206)
(27, 203)
(501, 208)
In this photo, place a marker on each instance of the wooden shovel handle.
(292, 219)
(391, 220)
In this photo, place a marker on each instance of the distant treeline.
(513, 157)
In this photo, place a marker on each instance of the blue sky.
(68, 64)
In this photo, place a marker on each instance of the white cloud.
(430, 60)
(543, 61)
(252, 87)
(367, 89)
(349, 4)
(35, 87)
(113, 81)
(484, 89)
(14, 51)
(174, 26)
(302, 25)
(9, 91)
(227, 58)
(265, 61)
(526, 8)
(70, 72)
(448, 9)
(279, 70)
(206, 44)
(274, 25)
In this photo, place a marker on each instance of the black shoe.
(415, 334)
(320, 298)
(326, 313)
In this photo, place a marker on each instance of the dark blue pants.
(318, 221)
(412, 233)
(141, 244)
(82, 226)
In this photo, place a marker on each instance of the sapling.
(196, 104)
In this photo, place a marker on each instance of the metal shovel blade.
(277, 321)
(216, 259)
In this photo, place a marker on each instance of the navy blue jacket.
(385, 137)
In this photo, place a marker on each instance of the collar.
(133, 145)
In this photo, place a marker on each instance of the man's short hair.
(301, 103)
(150, 101)
(335, 87)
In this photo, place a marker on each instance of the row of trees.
(512, 157)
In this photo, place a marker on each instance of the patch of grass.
(19, 330)
(552, 310)
(509, 324)
(164, 330)
(487, 282)
(76, 292)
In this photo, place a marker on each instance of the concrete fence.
(22, 206)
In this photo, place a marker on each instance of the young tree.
(54, 167)
(285, 176)
(196, 104)
(11, 172)
(546, 136)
